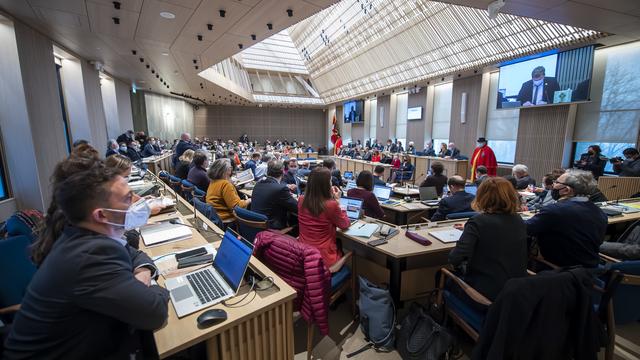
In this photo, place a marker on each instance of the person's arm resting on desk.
(106, 285)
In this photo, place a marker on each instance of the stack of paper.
(163, 232)
(362, 229)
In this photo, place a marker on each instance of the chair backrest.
(461, 215)
(186, 188)
(199, 194)
(16, 269)
(208, 211)
(250, 223)
(175, 183)
(627, 296)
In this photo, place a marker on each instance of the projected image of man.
(352, 114)
(539, 90)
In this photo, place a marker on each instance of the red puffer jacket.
(300, 266)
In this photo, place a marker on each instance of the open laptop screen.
(353, 207)
(471, 189)
(382, 192)
(351, 185)
(232, 259)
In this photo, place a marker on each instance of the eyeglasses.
(561, 183)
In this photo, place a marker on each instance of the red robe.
(338, 145)
(483, 156)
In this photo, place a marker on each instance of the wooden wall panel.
(230, 122)
(541, 138)
(415, 128)
(464, 135)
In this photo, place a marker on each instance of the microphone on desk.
(177, 222)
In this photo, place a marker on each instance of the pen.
(361, 226)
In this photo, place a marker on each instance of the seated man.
(570, 231)
(481, 175)
(291, 172)
(543, 195)
(304, 170)
(272, 198)
(261, 169)
(253, 163)
(455, 152)
(336, 177)
(458, 201)
(521, 173)
(378, 173)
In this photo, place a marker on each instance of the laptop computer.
(353, 207)
(383, 193)
(350, 185)
(429, 195)
(471, 189)
(348, 175)
(205, 287)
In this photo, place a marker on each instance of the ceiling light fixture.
(210, 27)
(195, 61)
(199, 37)
(222, 13)
(148, 66)
(141, 59)
(270, 26)
(134, 52)
(290, 12)
(253, 36)
(167, 15)
(494, 8)
(165, 54)
(116, 20)
(240, 46)
(116, 5)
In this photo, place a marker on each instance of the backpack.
(377, 317)
(422, 338)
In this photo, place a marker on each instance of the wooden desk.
(346, 164)
(407, 266)
(157, 163)
(452, 167)
(626, 217)
(404, 213)
(304, 155)
(262, 329)
(406, 191)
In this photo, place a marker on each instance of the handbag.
(421, 337)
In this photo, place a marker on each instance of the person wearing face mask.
(122, 150)
(290, 176)
(570, 231)
(539, 90)
(133, 151)
(483, 155)
(630, 166)
(543, 195)
(592, 161)
(149, 149)
(112, 148)
(198, 173)
(92, 293)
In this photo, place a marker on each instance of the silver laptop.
(205, 287)
(383, 193)
(353, 207)
(428, 193)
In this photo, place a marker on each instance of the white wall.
(108, 90)
(123, 102)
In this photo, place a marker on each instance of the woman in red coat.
(319, 214)
(376, 156)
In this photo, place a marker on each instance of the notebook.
(447, 236)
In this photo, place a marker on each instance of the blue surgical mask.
(136, 216)
(537, 82)
(123, 148)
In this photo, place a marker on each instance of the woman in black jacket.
(493, 246)
(592, 161)
(183, 167)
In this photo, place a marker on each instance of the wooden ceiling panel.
(190, 4)
(71, 6)
(129, 5)
(101, 20)
(224, 47)
(152, 26)
(61, 19)
(274, 12)
(122, 47)
(190, 44)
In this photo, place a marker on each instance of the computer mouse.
(211, 317)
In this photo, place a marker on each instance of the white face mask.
(537, 82)
(136, 216)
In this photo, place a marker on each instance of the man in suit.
(428, 149)
(91, 289)
(352, 115)
(183, 145)
(112, 148)
(570, 231)
(378, 173)
(458, 201)
(539, 90)
(272, 198)
(455, 152)
(253, 163)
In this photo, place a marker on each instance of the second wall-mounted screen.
(353, 111)
(549, 78)
(414, 113)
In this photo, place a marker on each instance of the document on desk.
(163, 232)
(447, 236)
(362, 229)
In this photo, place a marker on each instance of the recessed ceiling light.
(167, 15)
(165, 54)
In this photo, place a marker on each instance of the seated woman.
(493, 245)
(198, 173)
(444, 151)
(222, 194)
(363, 191)
(319, 213)
(405, 172)
(376, 156)
(436, 178)
(183, 167)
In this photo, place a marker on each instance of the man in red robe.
(336, 139)
(483, 155)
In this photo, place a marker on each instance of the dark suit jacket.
(83, 299)
(524, 182)
(495, 249)
(112, 152)
(429, 152)
(458, 202)
(455, 153)
(274, 200)
(378, 181)
(550, 87)
(569, 232)
(181, 148)
(133, 155)
(149, 150)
